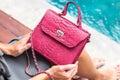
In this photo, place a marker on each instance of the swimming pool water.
(102, 15)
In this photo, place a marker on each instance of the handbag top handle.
(64, 12)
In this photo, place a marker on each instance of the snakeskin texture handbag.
(57, 39)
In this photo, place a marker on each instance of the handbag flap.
(62, 30)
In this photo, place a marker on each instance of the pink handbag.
(58, 39)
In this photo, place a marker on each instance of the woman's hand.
(16, 48)
(20, 46)
(63, 72)
(59, 72)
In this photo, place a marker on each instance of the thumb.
(67, 67)
(73, 71)
(25, 47)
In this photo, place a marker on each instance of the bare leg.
(98, 62)
(87, 69)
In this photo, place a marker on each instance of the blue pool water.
(102, 15)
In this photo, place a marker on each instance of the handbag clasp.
(60, 33)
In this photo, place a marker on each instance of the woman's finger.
(67, 67)
(24, 48)
(73, 71)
